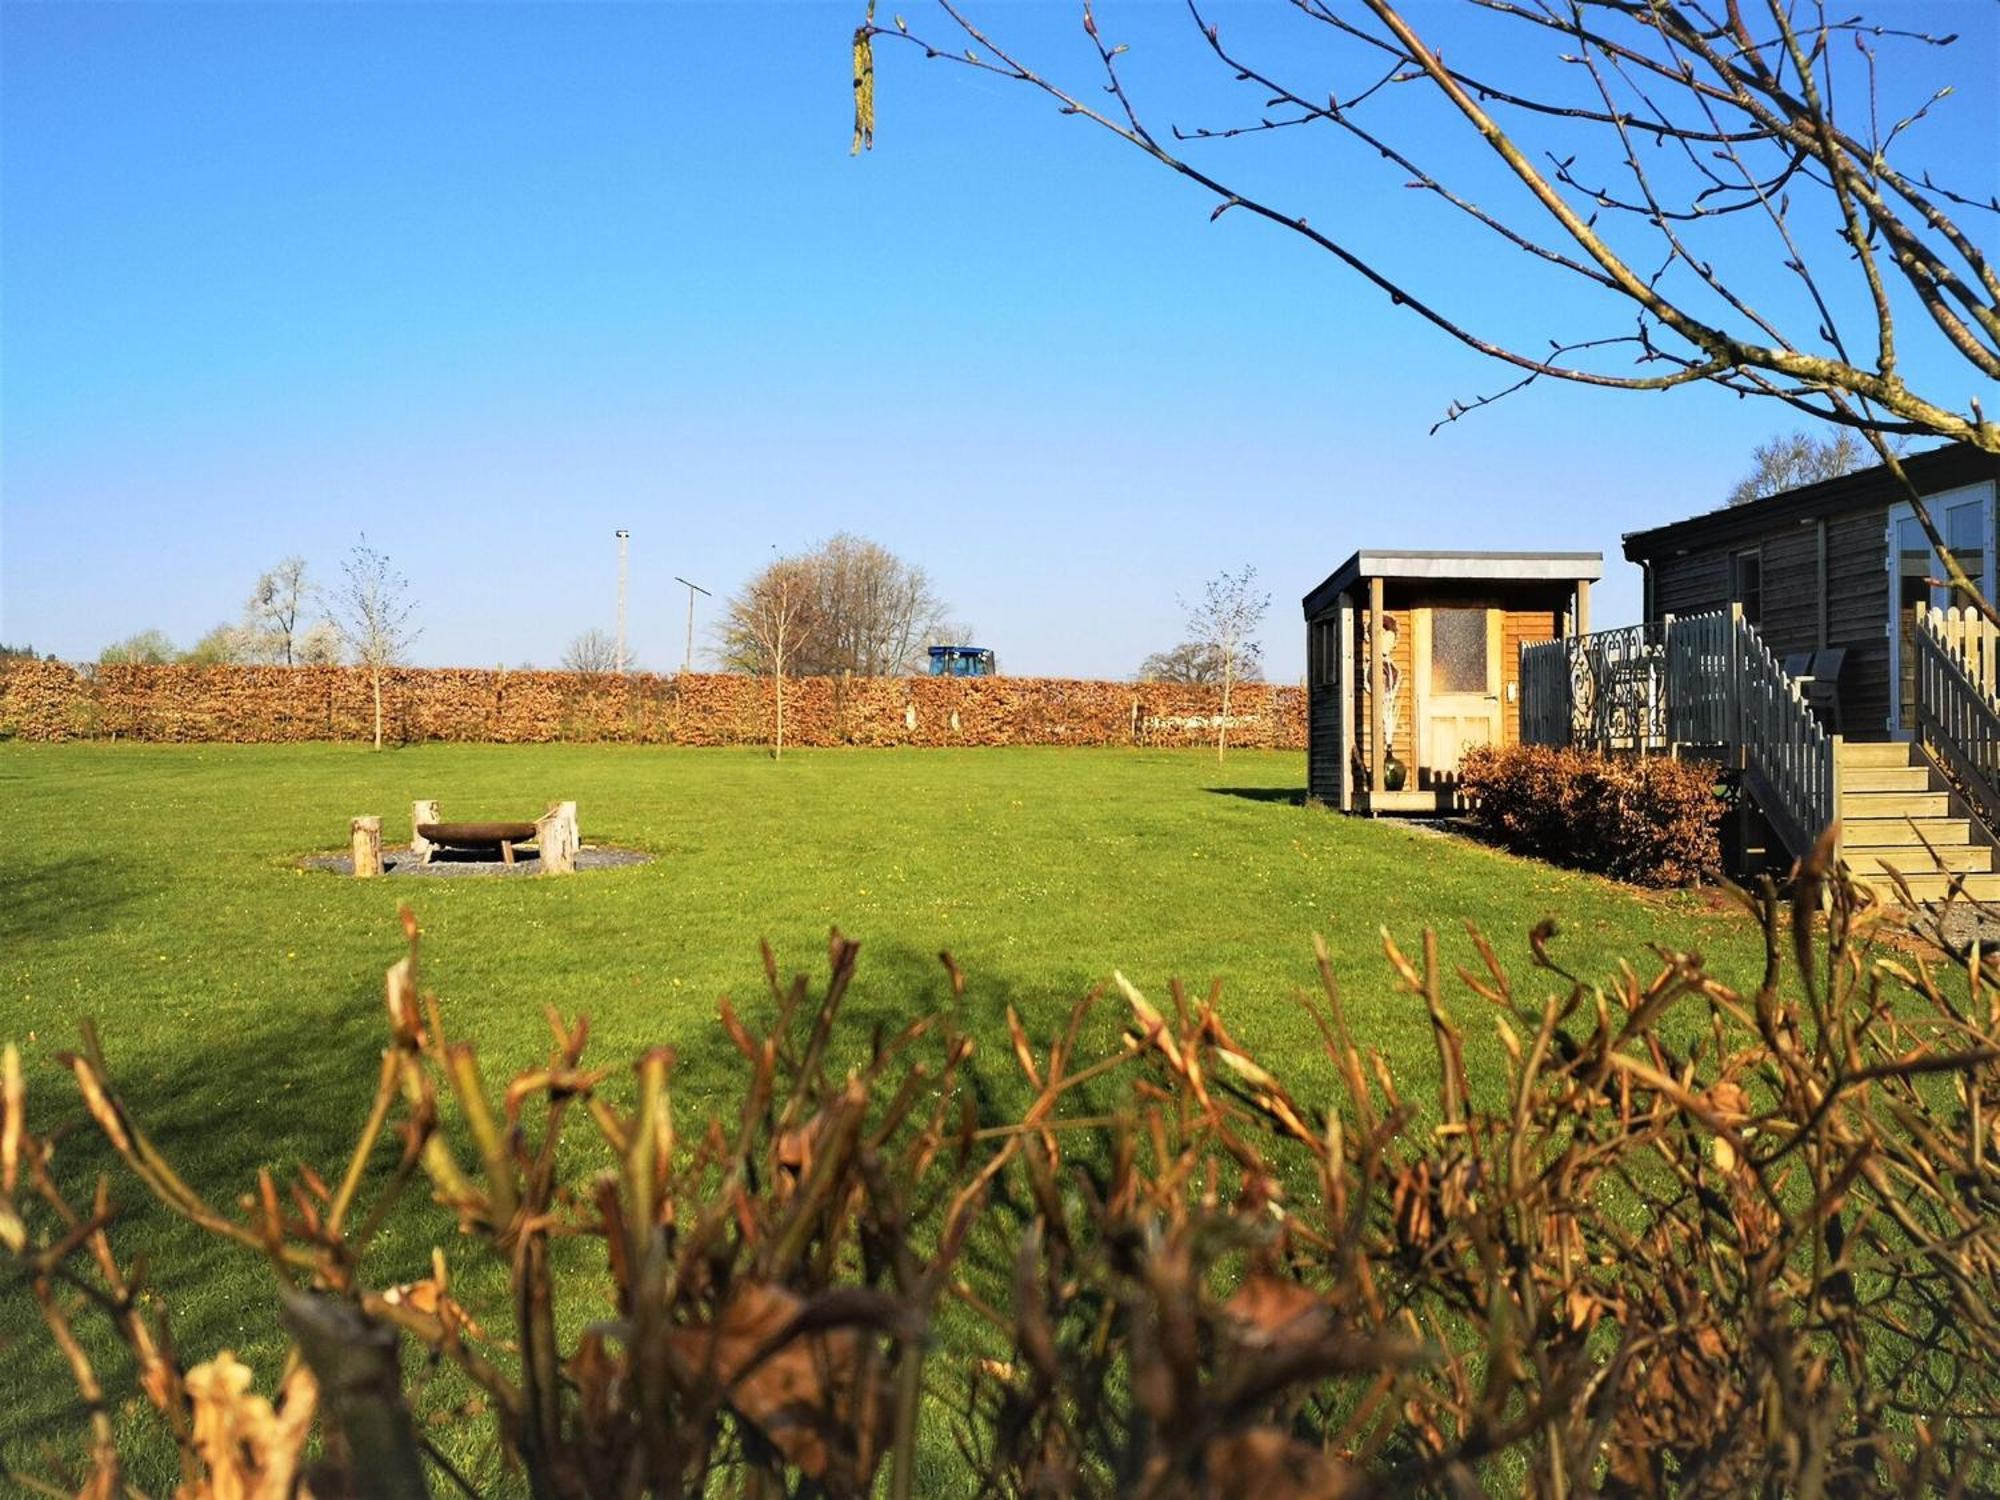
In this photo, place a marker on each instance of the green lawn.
(157, 889)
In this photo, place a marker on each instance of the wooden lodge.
(1830, 575)
(1412, 657)
(1806, 643)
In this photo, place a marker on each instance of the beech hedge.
(265, 705)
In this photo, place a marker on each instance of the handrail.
(1958, 713)
(1787, 752)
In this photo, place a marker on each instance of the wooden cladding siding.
(1325, 746)
(1855, 601)
(1857, 617)
(1691, 585)
(1789, 565)
(1403, 743)
(1518, 628)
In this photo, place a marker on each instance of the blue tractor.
(962, 661)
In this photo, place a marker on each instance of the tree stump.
(423, 812)
(365, 837)
(557, 838)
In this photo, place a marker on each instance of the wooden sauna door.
(1456, 656)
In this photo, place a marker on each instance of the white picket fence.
(1957, 710)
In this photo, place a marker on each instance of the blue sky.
(489, 281)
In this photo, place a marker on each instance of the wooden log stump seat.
(556, 839)
(422, 812)
(365, 839)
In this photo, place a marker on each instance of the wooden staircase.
(1894, 803)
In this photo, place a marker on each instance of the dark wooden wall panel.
(1790, 569)
(1691, 585)
(1857, 617)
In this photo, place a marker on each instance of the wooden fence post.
(422, 812)
(1670, 716)
(1732, 716)
(365, 839)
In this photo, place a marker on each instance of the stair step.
(1919, 861)
(1933, 887)
(1894, 805)
(1885, 779)
(1879, 753)
(1898, 833)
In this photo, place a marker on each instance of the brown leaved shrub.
(1694, 1241)
(1650, 820)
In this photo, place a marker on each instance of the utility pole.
(687, 661)
(624, 537)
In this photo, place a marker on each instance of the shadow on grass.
(291, 1081)
(1296, 796)
(41, 902)
(291, 1084)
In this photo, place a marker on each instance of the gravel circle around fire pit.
(447, 864)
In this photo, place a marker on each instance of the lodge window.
(1746, 585)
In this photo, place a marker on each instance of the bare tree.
(1679, 162)
(773, 615)
(874, 612)
(1191, 664)
(1797, 458)
(276, 609)
(1223, 624)
(375, 610)
(865, 611)
(593, 651)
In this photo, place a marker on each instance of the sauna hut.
(1412, 657)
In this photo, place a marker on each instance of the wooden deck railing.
(1957, 711)
(1700, 681)
(1789, 758)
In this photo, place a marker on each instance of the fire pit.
(501, 836)
(554, 835)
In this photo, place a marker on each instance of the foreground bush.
(1650, 820)
(1761, 1258)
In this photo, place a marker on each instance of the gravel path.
(446, 866)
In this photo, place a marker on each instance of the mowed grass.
(157, 890)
